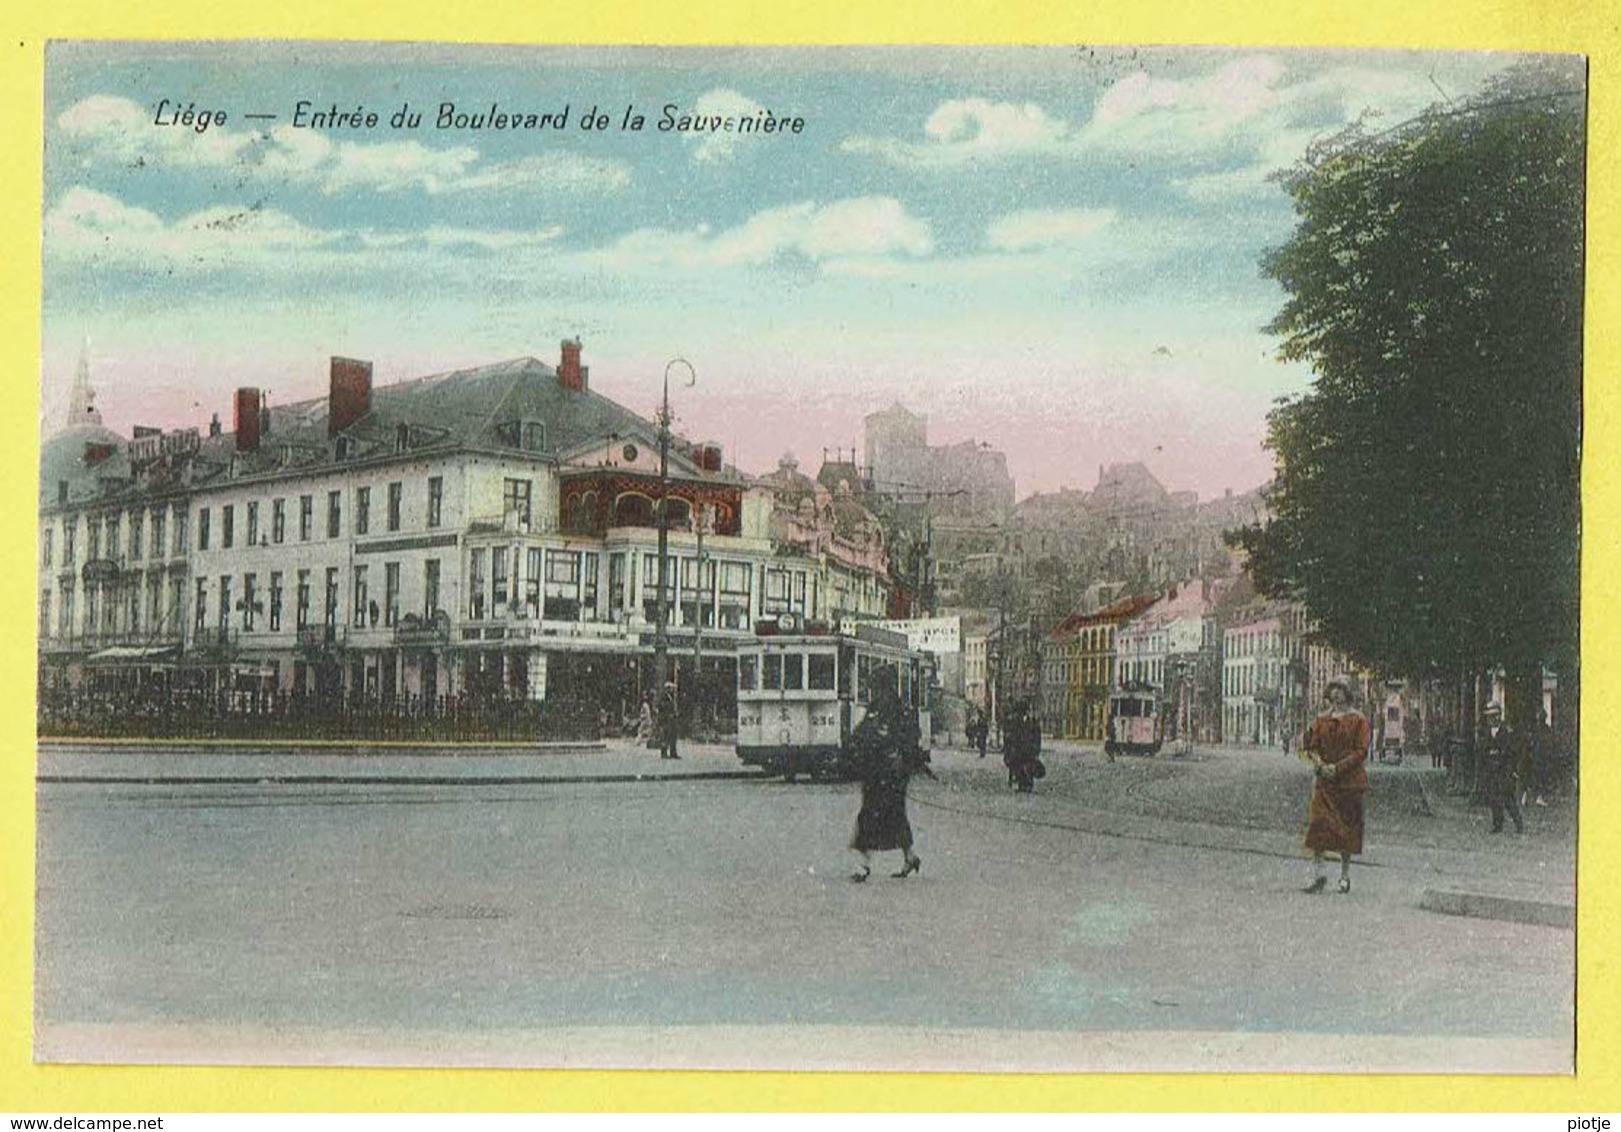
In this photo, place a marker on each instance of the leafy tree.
(1426, 508)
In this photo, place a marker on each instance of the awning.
(134, 654)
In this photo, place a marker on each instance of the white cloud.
(557, 172)
(90, 226)
(1228, 128)
(861, 227)
(1171, 117)
(86, 218)
(118, 131)
(1046, 228)
(713, 148)
(964, 131)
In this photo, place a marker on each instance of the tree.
(1426, 508)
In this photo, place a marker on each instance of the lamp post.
(702, 522)
(661, 642)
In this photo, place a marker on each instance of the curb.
(383, 779)
(1509, 908)
(357, 746)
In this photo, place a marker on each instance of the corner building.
(486, 533)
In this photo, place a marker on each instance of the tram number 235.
(823, 720)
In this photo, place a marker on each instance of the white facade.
(397, 566)
(1253, 670)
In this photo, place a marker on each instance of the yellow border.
(1584, 26)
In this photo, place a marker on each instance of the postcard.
(1013, 559)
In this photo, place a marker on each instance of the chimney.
(249, 421)
(351, 394)
(570, 375)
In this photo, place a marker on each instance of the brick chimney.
(570, 374)
(249, 419)
(351, 394)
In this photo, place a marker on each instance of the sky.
(1051, 250)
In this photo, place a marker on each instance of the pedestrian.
(644, 722)
(1336, 745)
(1021, 748)
(1540, 743)
(668, 723)
(1500, 763)
(982, 732)
(888, 752)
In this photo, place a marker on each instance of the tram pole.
(661, 636)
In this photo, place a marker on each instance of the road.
(702, 922)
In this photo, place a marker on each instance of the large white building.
(487, 532)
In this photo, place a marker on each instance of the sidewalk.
(179, 763)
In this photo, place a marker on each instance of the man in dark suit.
(1499, 763)
(668, 722)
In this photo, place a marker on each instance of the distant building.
(1174, 647)
(1078, 666)
(968, 480)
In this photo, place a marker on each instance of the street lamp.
(703, 521)
(661, 643)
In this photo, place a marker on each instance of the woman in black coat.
(888, 753)
(1021, 748)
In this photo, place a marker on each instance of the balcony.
(317, 636)
(413, 630)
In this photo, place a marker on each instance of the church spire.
(82, 402)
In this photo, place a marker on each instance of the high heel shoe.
(913, 864)
(1345, 884)
(862, 875)
(1317, 885)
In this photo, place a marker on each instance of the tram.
(803, 689)
(1135, 725)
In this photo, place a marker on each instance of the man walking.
(668, 724)
(1499, 763)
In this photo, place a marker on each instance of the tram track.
(1075, 823)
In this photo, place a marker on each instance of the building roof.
(1120, 610)
(464, 408)
(460, 408)
(84, 457)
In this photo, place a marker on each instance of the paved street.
(547, 908)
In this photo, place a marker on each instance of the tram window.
(773, 672)
(822, 672)
(793, 672)
(748, 671)
(864, 666)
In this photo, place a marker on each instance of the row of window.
(563, 585)
(134, 607)
(1091, 671)
(1252, 644)
(1245, 679)
(1140, 671)
(392, 518)
(149, 532)
(255, 609)
(822, 672)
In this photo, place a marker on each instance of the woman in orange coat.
(1336, 745)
